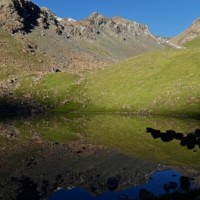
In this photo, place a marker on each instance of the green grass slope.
(18, 59)
(165, 82)
(15, 62)
(195, 43)
(51, 89)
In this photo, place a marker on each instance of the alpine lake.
(42, 153)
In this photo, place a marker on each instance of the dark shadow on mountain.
(190, 140)
(29, 12)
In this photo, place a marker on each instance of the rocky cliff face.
(188, 35)
(98, 26)
(23, 15)
(18, 15)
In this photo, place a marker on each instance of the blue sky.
(164, 17)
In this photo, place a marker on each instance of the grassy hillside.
(162, 82)
(19, 58)
(165, 82)
(15, 61)
(51, 89)
(195, 43)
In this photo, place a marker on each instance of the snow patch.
(58, 18)
(71, 20)
(174, 45)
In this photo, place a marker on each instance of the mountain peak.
(23, 16)
(189, 34)
(95, 15)
(119, 20)
(196, 21)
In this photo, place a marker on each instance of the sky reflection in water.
(162, 182)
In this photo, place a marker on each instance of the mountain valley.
(66, 64)
(76, 99)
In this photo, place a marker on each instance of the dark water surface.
(42, 153)
(160, 183)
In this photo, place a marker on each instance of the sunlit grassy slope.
(165, 82)
(51, 89)
(195, 43)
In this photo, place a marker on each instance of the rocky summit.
(189, 34)
(21, 16)
(97, 26)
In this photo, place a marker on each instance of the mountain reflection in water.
(191, 140)
(58, 150)
(159, 183)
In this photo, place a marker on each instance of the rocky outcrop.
(18, 15)
(23, 16)
(47, 19)
(189, 34)
(97, 26)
